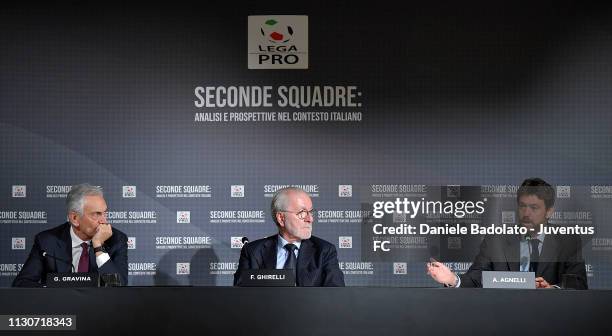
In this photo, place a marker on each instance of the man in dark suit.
(86, 243)
(314, 260)
(548, 255)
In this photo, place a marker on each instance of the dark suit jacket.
(317, 263)
(561, 254)
(57, 242)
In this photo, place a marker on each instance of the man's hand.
(441, 274)
(541, 283)
(103, 232)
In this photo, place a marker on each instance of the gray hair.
(279, 200)
(76, 197)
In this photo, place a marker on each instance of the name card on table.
(59, 280)
(525, 280)
(268, 278)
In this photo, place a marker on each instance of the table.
(317, 311)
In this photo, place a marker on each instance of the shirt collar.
(282, 242)
(76, 241)
(539, 237)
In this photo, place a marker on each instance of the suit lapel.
(269, 253)
(550, 250)
(64, 251)
(512, 252)
(304, 259)
(93, 266)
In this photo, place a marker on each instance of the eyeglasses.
(302, 214)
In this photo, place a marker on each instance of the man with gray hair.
(86, 243)
(314, 260)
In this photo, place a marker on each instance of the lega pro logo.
(18, 243)
(183, 268)
(183, 217)
(131, 243)
(129, 191)
(278, 42)
(19, 191)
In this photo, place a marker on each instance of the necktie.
(291, 262)
(84, 260)
(534, 255)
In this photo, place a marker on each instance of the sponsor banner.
(564, 191)
(183, 217)
(601, 191)
(311, 189)
(236, 242)
(142, 268)
(9, 270)
(356, 268)
(131, 243)
(169, 243)
(408, 242)
(499, 191)
(277, 42)
(398, 190)
(345, 190)
(345, 242)
(132, 217)
(183, 268)
(23, 217)
(18, 243)
(222, 268)
(58, 191)
(601, 244)
(237, 191)
(183, 191)
(294, 97)
(129, 191)
(236, 216)
(567, 218)
(400, 268)
(342, 216)
(19, 191)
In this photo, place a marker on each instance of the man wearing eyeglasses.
(314, 260)
(86, 243)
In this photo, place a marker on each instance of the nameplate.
(267, 278)
(524, 280)
(59, 280)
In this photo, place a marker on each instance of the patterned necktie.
(84, 260)
(291, 262)
(534, 255)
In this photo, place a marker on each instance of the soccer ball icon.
(276, 32)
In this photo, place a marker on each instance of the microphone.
(245, 240)
(47, 255)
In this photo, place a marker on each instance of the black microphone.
(245, 240)
(47, 255)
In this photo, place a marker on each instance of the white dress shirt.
(282, 253)
(77, 250)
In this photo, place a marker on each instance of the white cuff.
(102, 259)
(457, 284)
